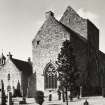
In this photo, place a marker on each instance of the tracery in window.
(50, 77)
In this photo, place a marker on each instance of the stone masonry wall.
(15, 75)
(32, 85)
(46, 46)
(72, 20)
(93, 68)
(48, 41)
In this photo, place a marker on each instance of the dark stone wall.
(93, 69)
(15, 75)
(101, 59)
(94, 75)
(93, 34)
(31, 86)
(24, 84)
(80, 52)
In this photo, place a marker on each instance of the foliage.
(3, 96)
(67, 69)
(66, 66)
(17, 91)
(39, 97)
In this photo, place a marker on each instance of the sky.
(21, 19)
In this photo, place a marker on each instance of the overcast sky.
(21, 19)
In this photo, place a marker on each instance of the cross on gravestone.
(86, 102)
(9, 99)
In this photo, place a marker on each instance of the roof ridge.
(77, 35)
(19, 60)
(70, 10)
(22, 65)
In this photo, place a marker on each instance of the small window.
(8, 77)
(38, 42)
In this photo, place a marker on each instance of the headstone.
(23, 101)
(9, 99)
(86, 102)
(80, 91)
(50, 97)
(59, 95)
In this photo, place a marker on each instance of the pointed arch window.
(50, 77)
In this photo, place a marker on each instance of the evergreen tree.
(18, 89)
(3, 96)
(66, 68)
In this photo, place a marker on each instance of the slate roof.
(23, 66)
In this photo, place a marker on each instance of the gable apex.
(70, 9)
(73, 21)
(49, 14)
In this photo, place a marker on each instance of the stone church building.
(15, 73)
(84, 36)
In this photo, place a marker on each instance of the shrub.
(39, 97)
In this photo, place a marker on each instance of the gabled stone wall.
(15, 75)
(73, 21)
(46, 46)
(84, 37)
